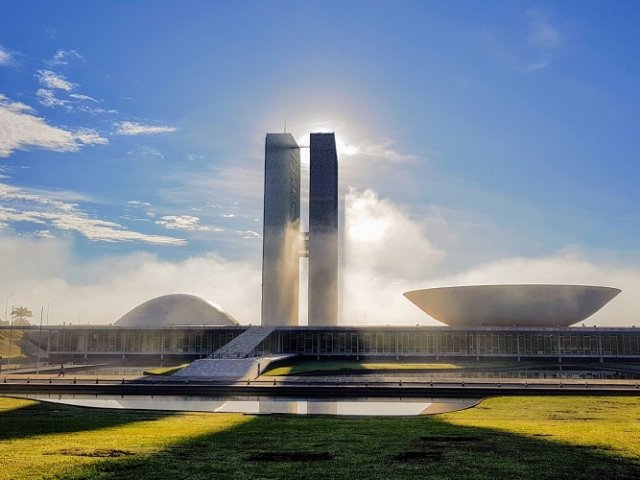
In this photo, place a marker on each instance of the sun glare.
(346, 148)
(367, 229)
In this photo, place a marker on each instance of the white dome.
(176, 309)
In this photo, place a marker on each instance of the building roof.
(507, 305)
(176, 309)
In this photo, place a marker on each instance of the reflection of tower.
(280, 254)
(323, 230)
(322, 408)
(278, 406)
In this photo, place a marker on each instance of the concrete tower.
(323, 230)
(280, 248)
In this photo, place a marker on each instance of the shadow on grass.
(364, 448)
(48, 418)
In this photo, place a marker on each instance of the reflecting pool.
(257, 405)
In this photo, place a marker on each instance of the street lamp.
(49, 303)
(39, 340)
(6, 305)
(48, 331)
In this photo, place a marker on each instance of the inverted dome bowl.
(507, 305)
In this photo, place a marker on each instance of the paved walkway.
(47, 368)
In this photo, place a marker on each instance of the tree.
(21, 315)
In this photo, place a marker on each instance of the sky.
(479, 143)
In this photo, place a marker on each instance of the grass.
(345, 366)
(10, 340)
(512, 438)
(165, 370)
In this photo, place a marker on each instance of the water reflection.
(264, 405)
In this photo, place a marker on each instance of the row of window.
(450, 343)
(140, 341)
(197, 341)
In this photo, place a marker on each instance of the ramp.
(235, 360)
(227, 369)
(220, 369)
(244, 344)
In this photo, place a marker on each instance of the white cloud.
(185, 222)
(44, 271)
(104, 231)
(378, 232)
(531, 46)
(179, 222)
(384, 151)
(5, 57)
(388, 253)
(133, 128)
(248, 234)
(64, 196)
(138, 203)
(21, 129)
(41, 269)
(242, 182)
(94, 110)
(542, 33)
(62, 57)
(5, 171)
(140, 211)
(81, 97)
(77, 102)
(55, 80)
(362, 162)
(22, 206)
(89, 136)
(148, 152)
(378, 151)
(48, 98)
(44, 234)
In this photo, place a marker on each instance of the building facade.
(477, 343)
(323, 230)
(281, 230)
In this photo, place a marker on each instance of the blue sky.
(133, 131)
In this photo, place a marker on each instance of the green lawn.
(9, 344)
(165, 370)
(504, 438)
(337, 366)
(318, 367)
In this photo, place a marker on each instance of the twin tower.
(284, 243)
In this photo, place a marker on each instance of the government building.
(515, 322)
